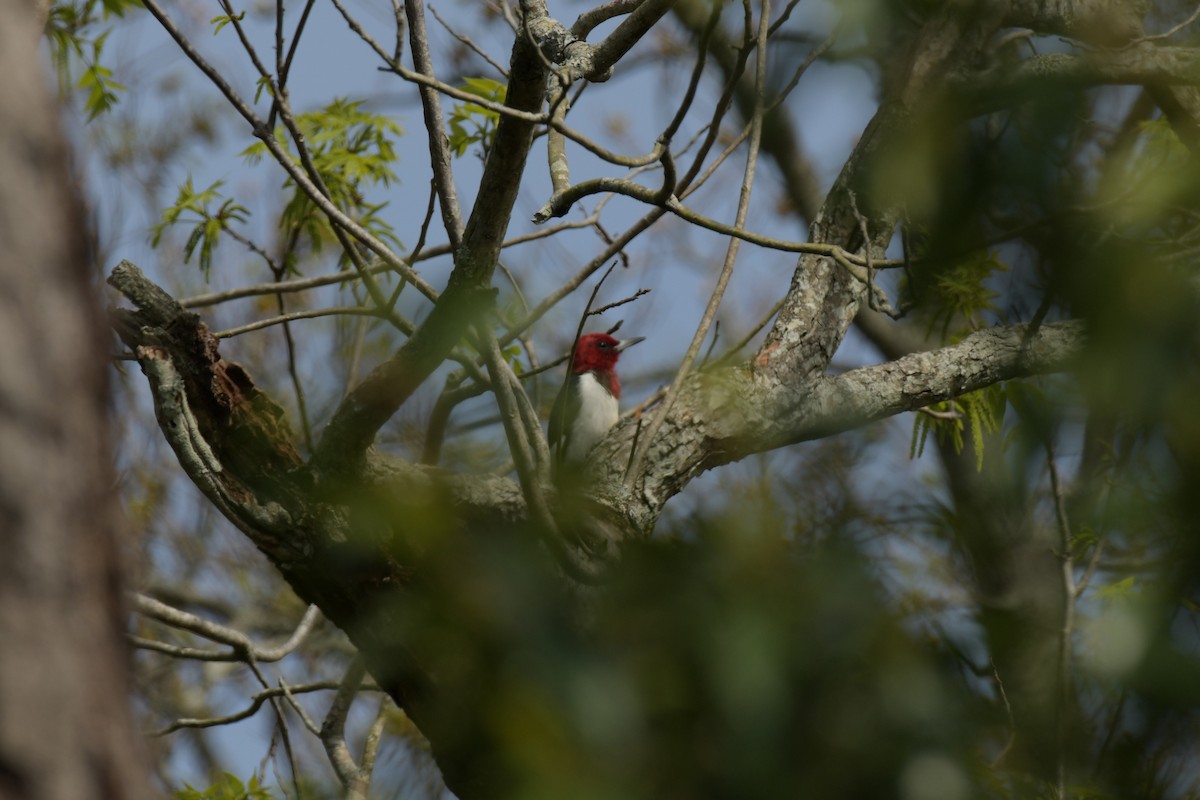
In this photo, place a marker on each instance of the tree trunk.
(65, 726)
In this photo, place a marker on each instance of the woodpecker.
(586, 407)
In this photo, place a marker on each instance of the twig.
(952, 414)
(452, 394)
(745, 340)
(435, 124)
(864, 231)
(312, 313)
(718, 293)
(302, 284)
(1068, 621)
(712, 343)
(1168, 34)
(1090, 570)
(559, 204)
(689, 94)
(299, 709)
(333, 729)
(398, 15)
(588, 20)
(242, 647)
(1012, 724)
(371, 744)
(256, 701)
(598, 311)
(295, 172)
(466, 40)
(556, 144)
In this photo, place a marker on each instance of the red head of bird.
(587, 406)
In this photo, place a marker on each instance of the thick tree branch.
(468, 295)
(725, 415)
(580, 59)
(864, 395)
(1144, 64)
(1097, 21)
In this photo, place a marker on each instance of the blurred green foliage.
(76, 33)
(728, 660)
(227, 787)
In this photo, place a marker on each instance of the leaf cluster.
(978, 412)
(71, 31)
(227, 787)
(352, 150)
(955, 296)
(196, 207)
(471, 123)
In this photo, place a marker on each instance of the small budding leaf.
(981, 411)
(221, 20)
(70, 34)
(196, 208)
(227, 787)
(1121, 590)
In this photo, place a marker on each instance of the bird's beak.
(630, 342)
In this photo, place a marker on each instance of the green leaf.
(955, 298)
(353, 151)
(227, 787)
(512, 354)
(69, 32)
(195, 207)
(1121, 590)
(471, 123)
(264, 82)
(101, 91)
(117, 8)
(221, 20)
(981, 411)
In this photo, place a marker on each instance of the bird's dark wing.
(566, 408)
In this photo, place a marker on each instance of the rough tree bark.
(66, 731)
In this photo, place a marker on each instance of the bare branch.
(589, 19)
(242, 647)
(469, 43)
(313, 313)
(333, 729)
(1145, 65)
(435, 124)
(257, 700)
(731, 252)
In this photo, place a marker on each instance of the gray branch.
(580, 59)
(726, 415)
(1145, 64)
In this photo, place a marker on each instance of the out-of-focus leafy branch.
(77, 32)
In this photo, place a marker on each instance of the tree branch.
(468, 295)
(1144, 64)
(725, 415)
